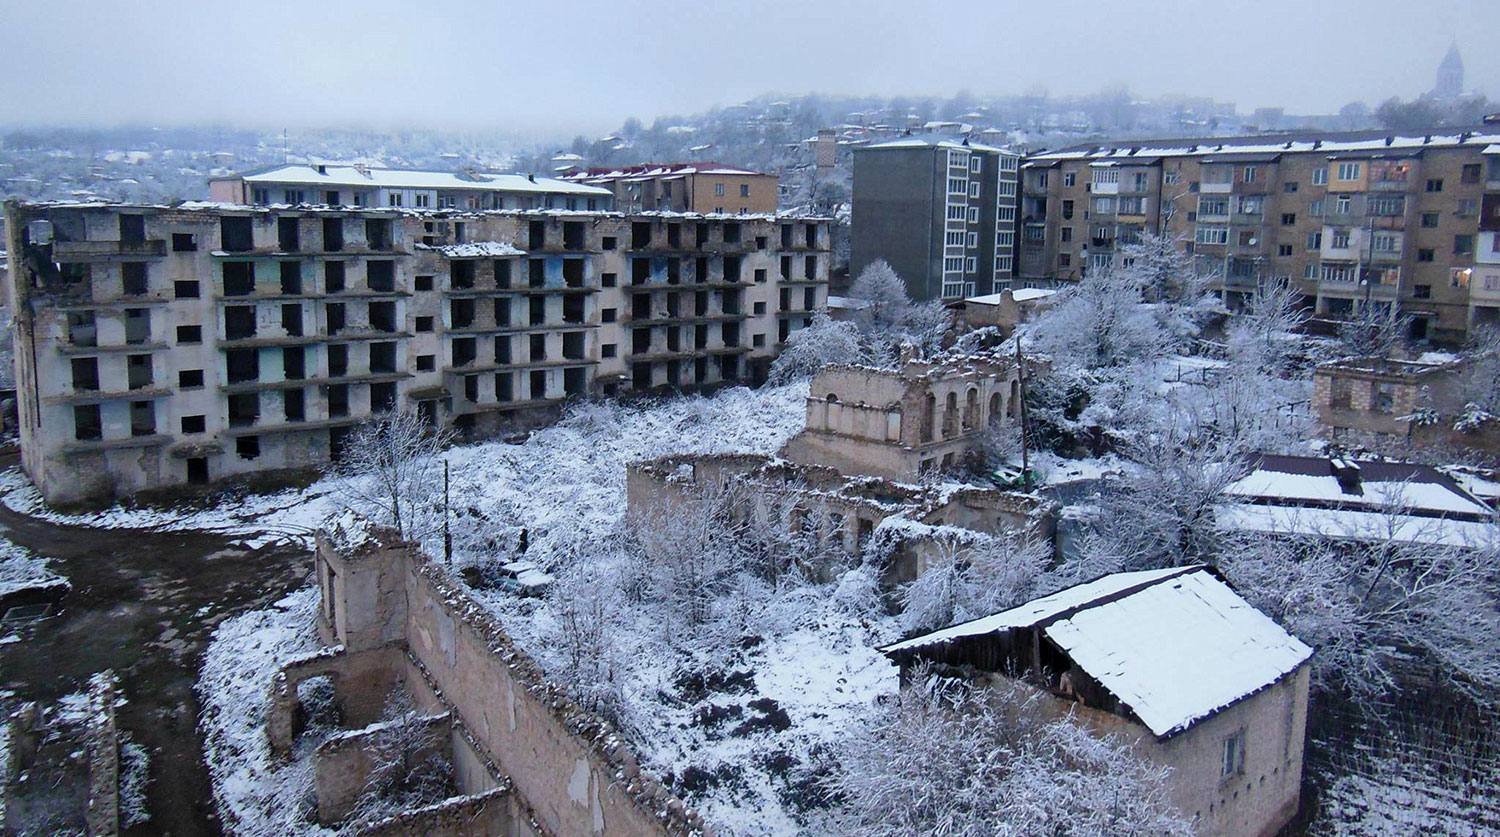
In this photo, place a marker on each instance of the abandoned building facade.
(1416, 400)
(1173, 662)
(166, 345)
(901, 424)
(525, 760)
(319, 184)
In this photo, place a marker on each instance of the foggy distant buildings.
(1450, 77)
(941, 211)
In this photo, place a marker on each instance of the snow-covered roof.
(476, 250)
(1174, 645)
(1313, 481)
(1357, 525)
(938, 141)
(664, 170)
(1019, 295)
(361, 176)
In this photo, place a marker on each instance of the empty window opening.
(244, 409)
(640, 376)
(137, 325)
(247, 447)
(640, 271)
(194, 424)
(573, 342)
(239, 278)
(536, 235)
(537, 273)
(573, 272)
(294, 363)
(538, 384)
(235, 234)
(461, 274)
(333, 277)
(291, 278)
(189, 334)
(242, 365)
(333, 232)
(338, 360)
(338, 402)
(85, 374)
(378, 233)
(184, 242)
(291, 319)
(464, 351)
(197, 470)
(640, 340)
(383, 317)
(336, 318)
(380, 275)
(294, 404)
(640, 306)
(538, 310)
(239, 322)
(138, 371)
(461, 313)
(287, 238)
(382, 397)
(426, 363)
(82, 330)
(383, 358)
(87, 425)
(133, 278)
(573, 235)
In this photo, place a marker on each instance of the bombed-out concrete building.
(902, 423)
(160, 345)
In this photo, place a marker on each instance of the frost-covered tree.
(888, 318)
(1162, 269)
(1265, 336)
(1375, 330)
(949, 758)
(392, 472)
(823, 343)
(406, 770)
(972, 575)
(1098, 324)
(1367, 606)
(587, 606)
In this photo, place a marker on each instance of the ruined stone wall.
(568, 768)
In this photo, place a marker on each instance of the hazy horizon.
(584, 68)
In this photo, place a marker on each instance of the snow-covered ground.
(20, 569)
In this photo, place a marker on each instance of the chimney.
(1347, 473)
(531, 177)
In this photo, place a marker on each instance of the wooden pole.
(1021, 393)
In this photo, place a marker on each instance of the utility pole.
(1021, 394)
(447, 535)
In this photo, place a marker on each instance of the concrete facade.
(900, 425)
(159, 346)
(524, 756)
(1345, 218)
(941, 212)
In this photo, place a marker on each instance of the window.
(1213, 207)
(1340, 240)
(420, 200)
(1289, 187)
(1421, 292)
(1212, 235)
(1064, 260)
(86, 374)
(744, 190)
(1310, 271)
(190, 379)
(393, 199)
(1288, 219)
(1107, 175)
(189, 334)
(1284, 249)
(260, 196)
(1249, 238)
(1434, 184)
(87, 425)
(1065, 234)
(1390, 207)
(1315, 208)
(1320, 177)
(1250, 173)
(333, 277)
(719, 190)
(1467, 207)
(1251, 205)
(1104, 205)
(194, 424)
(239, 278)
(1069, 178)
(1429, 219)
(185, 289)
(1315, 240)
(973, 214)
(293, 196)
(1470, 173)
(609, 350)
(424, 324)
(1426, 254)
(608, 315)
(1341, 205)
(1385, 243)
(184, 242)
(1067, 210)
(1463, 245)
(1349, 171)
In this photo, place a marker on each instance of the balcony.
(68, 251)
(1215, 188)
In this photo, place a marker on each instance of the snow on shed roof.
(352, 176)
(1406, 487)
(1174, 645)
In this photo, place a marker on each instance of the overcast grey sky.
(585, 66)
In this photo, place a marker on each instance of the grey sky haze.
(585, 66)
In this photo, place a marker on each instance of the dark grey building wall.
(898, 215)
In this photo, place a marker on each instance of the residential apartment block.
(1346, 218)
(940, 211)
(363, 186)
(161, 345)
(684, 187)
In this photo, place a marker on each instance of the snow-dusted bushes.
(945, 757)
(392, 473)
(972, 577)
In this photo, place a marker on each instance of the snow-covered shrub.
(950, 758)
(972, 577)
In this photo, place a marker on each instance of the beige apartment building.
(164, 345)
(1345, 218)
(683, 187)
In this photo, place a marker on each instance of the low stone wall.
(103, 814)
(344, 762)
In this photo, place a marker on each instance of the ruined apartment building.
(901, 424)
(1345, 218)
(165, 345)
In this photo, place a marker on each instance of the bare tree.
(406, 770)
(973, 575)
(949, 758)
(1376, 330)
(393, 472)
(823, 343)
